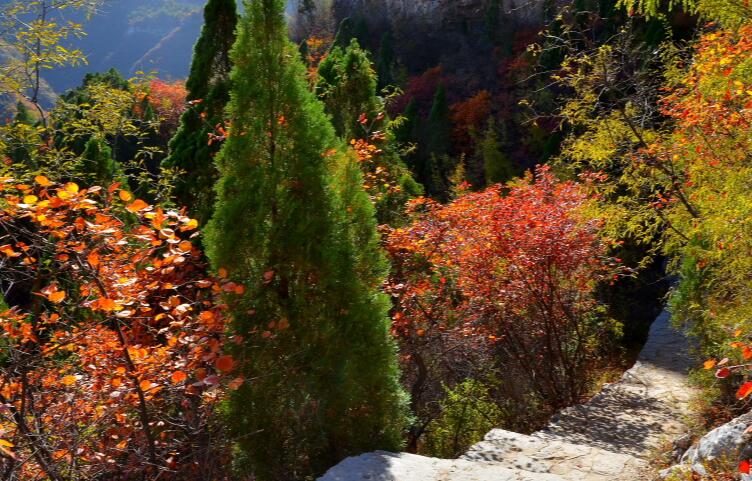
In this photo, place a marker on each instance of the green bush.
(468, 412)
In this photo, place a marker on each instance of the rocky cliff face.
(437, 12)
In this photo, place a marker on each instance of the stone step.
(384, 466)
(608, 438)
(571, 462)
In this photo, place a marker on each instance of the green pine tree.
(347, 86)
(439, 125)
(497, 165)
(99, 164)
(208, 88)
(436, 166)
(294, 226)
(386, 60)
(492, 20)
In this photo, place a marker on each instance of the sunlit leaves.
(128, 315)
(744, 391)
(137, 206)
(482, 266)
(53, 294)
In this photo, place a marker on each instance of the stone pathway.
(609, 438)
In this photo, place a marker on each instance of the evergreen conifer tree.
(439, 125)
(436, 165)
(293, 225)
(347, 86)
(208, 92)
(99, 164)
(386, 60)
(493, 16)
(498, 166)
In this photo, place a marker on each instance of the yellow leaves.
(5, 446)
(42, 180)
(709, 364)
(30, 199)
(137, 206)
(69, 190)
(69, 380)
(125, 196)
(192, 224)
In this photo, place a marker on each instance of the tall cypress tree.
(294, 226)
(208, 91)
(439, 125)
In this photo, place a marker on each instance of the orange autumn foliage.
(100, 373)
(469, 118)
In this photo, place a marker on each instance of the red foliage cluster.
(422, 89)
(469, 118)
(168, 99)
(515, 268)
(112, 368)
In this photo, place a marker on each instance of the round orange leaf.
(225, 363)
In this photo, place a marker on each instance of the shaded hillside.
(137, 35)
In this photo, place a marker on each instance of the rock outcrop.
(435, 12)
(720, 449)
(609, 438)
